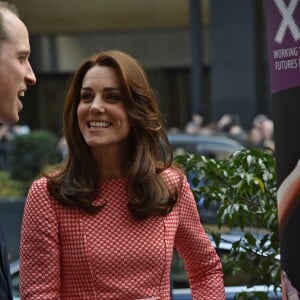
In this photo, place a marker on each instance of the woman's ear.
(133, 130)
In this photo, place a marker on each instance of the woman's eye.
(114, 97)
(85, 97)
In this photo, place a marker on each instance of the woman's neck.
(112, 163)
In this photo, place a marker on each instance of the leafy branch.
(243, 187)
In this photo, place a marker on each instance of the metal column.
(196, 55)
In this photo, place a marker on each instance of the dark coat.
(5, 280)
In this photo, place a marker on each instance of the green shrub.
(244, 188)
(30, 153)
(11, 188)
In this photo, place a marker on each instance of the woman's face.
(102, 116)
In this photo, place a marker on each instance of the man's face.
(15, 70)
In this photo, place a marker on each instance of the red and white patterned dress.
(67, 254)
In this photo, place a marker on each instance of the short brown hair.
(13, 9)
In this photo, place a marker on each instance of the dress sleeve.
(201, 261)
(40, 250)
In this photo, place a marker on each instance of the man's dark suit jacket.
(5, 281)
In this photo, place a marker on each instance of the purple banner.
(283, 21)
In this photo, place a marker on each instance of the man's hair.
(13, 9)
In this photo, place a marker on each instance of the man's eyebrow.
(24, 52)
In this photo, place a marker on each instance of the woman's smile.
(99, 124)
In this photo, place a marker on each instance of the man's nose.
(30, 76)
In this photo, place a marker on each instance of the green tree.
(244, 188)
(29, 154)
(11, 188)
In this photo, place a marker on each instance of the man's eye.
(22, 59)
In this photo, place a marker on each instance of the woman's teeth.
(99, 124)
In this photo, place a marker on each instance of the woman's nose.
(98, 105)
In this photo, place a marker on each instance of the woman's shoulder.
(39, 195)
(39, 186)
(40, 182)
(173, 176)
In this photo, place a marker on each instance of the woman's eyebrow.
(85, 89)
(112, 88)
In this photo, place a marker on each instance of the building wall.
(168, 48)
(230, 55)
(233, 59)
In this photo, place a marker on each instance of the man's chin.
(9, 120)
(14, 118)
(20, 105)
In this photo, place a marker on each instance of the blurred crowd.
(7, 133)
(260, 135)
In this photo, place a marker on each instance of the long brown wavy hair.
(77, 181)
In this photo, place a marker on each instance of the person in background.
(255, 138)
(195, 125)
(261, 135)
(62, 148)
(104, 223)
(5, 138)
(267, 129)
(15, 75)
